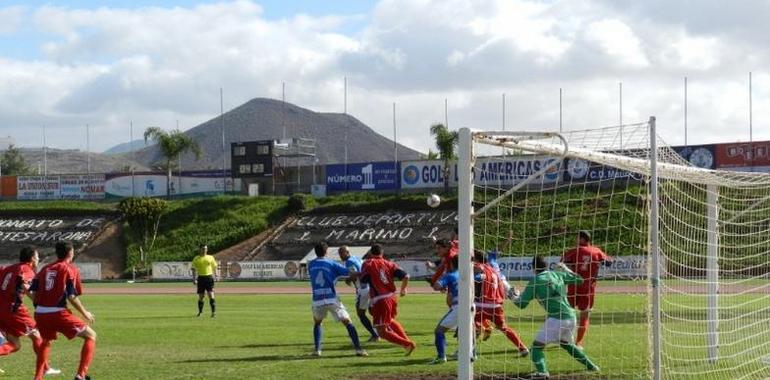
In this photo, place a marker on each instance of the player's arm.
(72, 297)
(194, 274)
(568, 275)
(404, 277)
(214, 269)
(525, 298)
(606, 259)
(441, 284)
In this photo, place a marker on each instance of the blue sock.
(367, 325)
(353, 336)
(440, 344)
(317, 337)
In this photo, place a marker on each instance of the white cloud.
(618, 41)
(12, 18)
(156, 65)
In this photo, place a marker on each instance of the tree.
(432, 155)
(446, 143)
(143, 217)
(13, 163)
(172, 145)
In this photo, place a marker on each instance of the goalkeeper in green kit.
(549, 287)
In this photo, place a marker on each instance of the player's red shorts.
(16, 324)
(59, 322)
(384, 311)
(496, 315)
(581, 298)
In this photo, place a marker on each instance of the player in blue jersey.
(449, 282)
(362, 290)
(323, 276)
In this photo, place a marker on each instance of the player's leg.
(499, 320)
(549, 333)
(11, 345)
(41, 362)
(37, 344)
(447, 322)
(87, 352)
(383, 322)
(566, 327)
(341, 314)
(319, 313)
(362, 303)
(583, 324)
(201, 291)
(212, 301)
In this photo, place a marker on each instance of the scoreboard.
(252, 158)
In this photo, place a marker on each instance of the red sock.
(391, 336)
(37, 345)
(581, 330)
(42, 359)
(8, 348)
(514, 337)
(398, 329)
(86, 355)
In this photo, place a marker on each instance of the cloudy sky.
(110, 63)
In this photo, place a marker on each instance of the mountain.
(126, 147)
(264, 119)
(73, 161)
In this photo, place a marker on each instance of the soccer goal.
(686, 294)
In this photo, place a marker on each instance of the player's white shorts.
(449, 320)
(556, 331)
(362, 298)
(337, 311)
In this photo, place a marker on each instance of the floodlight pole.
(465, 236)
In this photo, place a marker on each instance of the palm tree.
(446, 142)
(172, 145)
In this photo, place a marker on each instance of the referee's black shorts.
(205, 284)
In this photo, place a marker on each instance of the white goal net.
(684, 292)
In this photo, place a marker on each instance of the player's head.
(64, 250)
(376, 250)
(442, 247)
(539, 264)
(203, 249)
(479, 256)
(344, 252)
(584, 237)
(455, 233)
(320, 249)
(29, 255)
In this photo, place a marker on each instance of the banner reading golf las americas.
(501, 171)
(363, 176)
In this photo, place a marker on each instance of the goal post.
(688, 293)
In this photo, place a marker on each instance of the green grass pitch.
(270, 337)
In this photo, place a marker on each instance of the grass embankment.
(220, 222)
(55, 208)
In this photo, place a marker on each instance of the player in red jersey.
(55, 286)
(381, 274)
(585, 261)
(490, 297)
(446, 251)
(15, 321)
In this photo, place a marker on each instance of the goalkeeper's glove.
(561, 267)
(513, 294)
